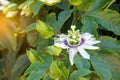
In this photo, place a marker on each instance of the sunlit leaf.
(32, 55)
(45, 30)
(53, 50)
(55, 72)
(64, 70)
(75, 2)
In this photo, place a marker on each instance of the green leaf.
(33, 67)
(53, 50)
(42, 44)
(62, 17)
(109, 44)
(51, 20)
(32, 38)
(76, 74)
(114, 61)
(84, 4)
(32, 55)
(97, 5)
(83, 78)
(81, 63)
(89, 25)
(63, 69)
(37, 7)
(31, 27)
(63, 5)
(102, 69)
(36, 75)
(109, 19)
(55, 72)
(45, 30)
(47, 60)
(51, 3)
(75, 2)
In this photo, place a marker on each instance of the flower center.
(74, 46)
(74, 38)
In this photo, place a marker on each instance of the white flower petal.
(72, 53)
(84, 46)
(83, 53)
(92, 42)
(62, 45)
(62, 37)
(87, 36)
(59, 41)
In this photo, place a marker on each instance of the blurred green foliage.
(26, 40)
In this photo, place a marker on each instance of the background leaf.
(109, 44)
(109, 19)
(18, 68)
(102, 69)
(114, 61)
(89, 25)
(62, 17)
(37, 75)
(76, 74)
(37, 7)
(81, 63)
(97, 5)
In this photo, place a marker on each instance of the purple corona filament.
(74, 46)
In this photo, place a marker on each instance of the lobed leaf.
(81, 63)
(37, 75)
(89, 25)
(37, 7)
(109, 19)
(102, 69)
(80, 73)
(62, 17)
(109, 44)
